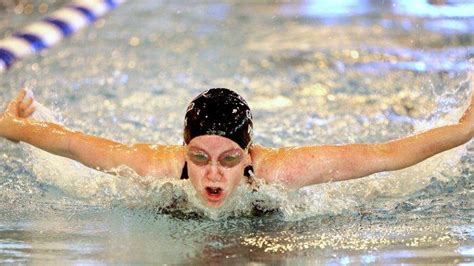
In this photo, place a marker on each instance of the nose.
(213, 172)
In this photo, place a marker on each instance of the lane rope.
(52, 29)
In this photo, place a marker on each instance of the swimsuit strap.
(184, 173)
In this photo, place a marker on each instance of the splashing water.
(311, 77)
(130, 189)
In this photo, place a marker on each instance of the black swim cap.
(221, 112)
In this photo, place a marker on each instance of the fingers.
(21, 95)
(13, 104)
(28, 112)
(27, 102)
(22, 104)
(26, 107)
(468, 116)
(472, 89)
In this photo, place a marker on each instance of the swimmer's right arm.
(94, 152)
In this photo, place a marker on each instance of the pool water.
(313, 73)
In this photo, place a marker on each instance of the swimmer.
(218, 154)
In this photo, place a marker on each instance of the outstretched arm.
(302, 166)
(94, 152)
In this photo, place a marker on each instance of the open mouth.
(214, 193)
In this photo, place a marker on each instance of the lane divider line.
(52, 29)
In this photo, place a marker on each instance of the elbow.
(386, 155)
(72, 146)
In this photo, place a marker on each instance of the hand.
(19, 108)
(468, 117)
(22, 106)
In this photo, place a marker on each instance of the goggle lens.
(226, 160)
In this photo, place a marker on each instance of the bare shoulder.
(162, 160)
(268, 163)
(295, 167)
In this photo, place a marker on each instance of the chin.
(213, 204)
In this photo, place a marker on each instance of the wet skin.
(216, 180)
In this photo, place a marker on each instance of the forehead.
(213, 143)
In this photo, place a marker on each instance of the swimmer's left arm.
(303, 166)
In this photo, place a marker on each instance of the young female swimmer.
(219, 154)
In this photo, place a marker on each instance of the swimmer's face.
(215, 167)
